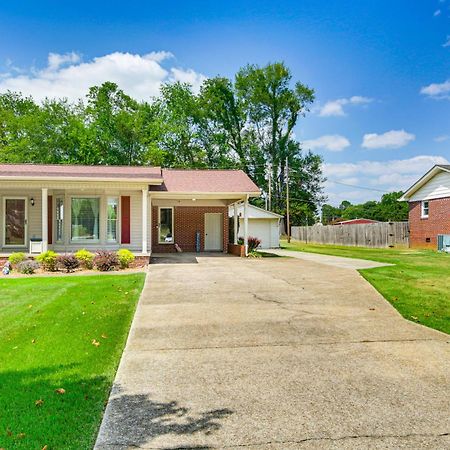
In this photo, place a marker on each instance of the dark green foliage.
(245, 123)
(387, 209)
(105, 260)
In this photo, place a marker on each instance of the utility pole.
(270, 187)
(288, 225)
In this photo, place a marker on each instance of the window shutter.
(125, 220)
(50, 219)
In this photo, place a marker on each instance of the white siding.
(267, 230)
(437, 187)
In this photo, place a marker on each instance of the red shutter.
(125, 220)
(50, 219)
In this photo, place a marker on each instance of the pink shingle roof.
(78, 171)
(210, 181)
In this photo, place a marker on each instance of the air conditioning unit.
(443, 243)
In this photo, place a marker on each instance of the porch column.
(150, 238)
(235, 224)
(246, 225)
(44, 212)
(144, 219)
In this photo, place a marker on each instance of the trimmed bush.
(68, 262)
(48, 260)
(106, 261)
(16, 258)
(27, 267)
(86, 258)
(125, 258)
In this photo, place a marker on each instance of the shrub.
(68, 262)
(16, 258)
(48, 260)
(125, 258)
(86, 258)
(105, 260)
(27, 266)
(253, 243)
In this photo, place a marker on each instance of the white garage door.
(261, 228)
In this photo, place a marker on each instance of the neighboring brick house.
(360, 221)
(429, 208)
(144, 209)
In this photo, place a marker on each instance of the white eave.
(421, 182)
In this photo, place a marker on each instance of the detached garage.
(264, 225)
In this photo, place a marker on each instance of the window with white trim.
(425, 208)
(85, 219)
(112, 209)
(165, 233)
(59, 232)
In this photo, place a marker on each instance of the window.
(425, 208)
(165, 225)
(112, 209)
(59, 219)
(85, 219)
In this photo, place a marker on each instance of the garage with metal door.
(265, 225)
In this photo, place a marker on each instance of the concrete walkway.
(275, 353)
(336, 261)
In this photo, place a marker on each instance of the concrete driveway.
(275, 353)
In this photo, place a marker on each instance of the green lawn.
(417, 286)
(60, 333)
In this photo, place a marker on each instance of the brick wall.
(188, 220)
(438, 222)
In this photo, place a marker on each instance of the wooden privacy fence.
(381, 234)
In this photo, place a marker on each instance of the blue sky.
(381, 69)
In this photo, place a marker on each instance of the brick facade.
(187, 221)
(424, 229)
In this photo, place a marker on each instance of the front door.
(15, 221)
(213, 231)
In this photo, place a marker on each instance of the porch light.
(194, 199)
(32, 201)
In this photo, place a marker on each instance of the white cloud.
(390, 139)
(381, 176)
(331, 142)
(447, 42)
(437, 13)
(67, 76)
(442, 138)
(335, 107)
(437, 90)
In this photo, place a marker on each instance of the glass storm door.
(15, 222)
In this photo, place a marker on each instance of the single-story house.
(263, 224)
(360, 221)
(143, 209)
(429, 209)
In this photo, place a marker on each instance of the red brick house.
(429, 209)
(144, 209)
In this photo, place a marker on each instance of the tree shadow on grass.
(133, 420)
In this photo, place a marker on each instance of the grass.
(60, 333)
(417, 285)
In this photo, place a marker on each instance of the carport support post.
(44, 209)
(246, 225)
(235, 236)
(144, 219)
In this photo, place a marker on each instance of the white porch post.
(246, 225)
(235, 224)
(150, 238)
(144, 219)
(44, 210)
